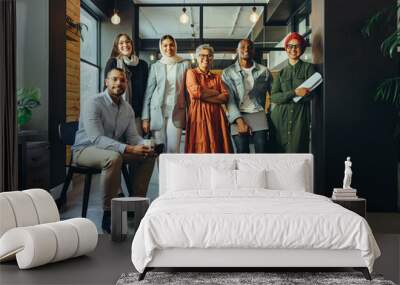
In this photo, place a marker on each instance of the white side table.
(119, 209)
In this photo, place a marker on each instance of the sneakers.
(106, 223)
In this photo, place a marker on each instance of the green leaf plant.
(27, 99)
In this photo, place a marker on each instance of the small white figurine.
(347, 174)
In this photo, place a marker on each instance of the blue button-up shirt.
(106, 125)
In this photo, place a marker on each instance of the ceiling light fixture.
(184, 18)
(115, 19)
(254, 15)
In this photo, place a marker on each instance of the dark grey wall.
(57, 88)
(347, 122)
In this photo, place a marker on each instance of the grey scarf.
(121, 63)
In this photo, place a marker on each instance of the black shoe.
(106, 223)
(121, 195)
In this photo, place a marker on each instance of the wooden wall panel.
(73, 66)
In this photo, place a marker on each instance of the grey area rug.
(243, 278)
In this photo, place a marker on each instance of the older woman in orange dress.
(207, 125)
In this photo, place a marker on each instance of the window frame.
(304, 12)
(97, 18)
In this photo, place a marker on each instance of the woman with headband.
(291, 118)
(164, 105)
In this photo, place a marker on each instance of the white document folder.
(311, 83)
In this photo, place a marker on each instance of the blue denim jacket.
(233, 78)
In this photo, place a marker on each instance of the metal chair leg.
(127, 179)
(63, 197)
(86, 192)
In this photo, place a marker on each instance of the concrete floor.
(110, 259)
(102, 266)
(106, 264)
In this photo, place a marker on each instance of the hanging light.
(152, 57)
(115, 19)
(184, 18)
(254, 15)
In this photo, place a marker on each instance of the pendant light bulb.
(254, 16)
(115, 19)
(184, 18)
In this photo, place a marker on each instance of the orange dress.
(207, 126)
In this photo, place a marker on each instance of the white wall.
(33, 55)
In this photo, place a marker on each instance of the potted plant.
(388, 90)
(27, 99)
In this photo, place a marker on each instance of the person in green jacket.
(290, 119)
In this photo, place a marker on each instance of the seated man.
(107, 136)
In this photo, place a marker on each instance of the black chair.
(66, 132)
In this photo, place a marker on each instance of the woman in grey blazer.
(164, 101)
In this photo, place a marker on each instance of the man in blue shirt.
(248, 83)
(107, 136)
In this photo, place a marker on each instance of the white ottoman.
(31, 232)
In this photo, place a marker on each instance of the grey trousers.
(110, 163)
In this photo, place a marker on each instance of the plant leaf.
(24, 116)
(388, 14)
(29, 96)
(371, 24)
(27, 99)
(390, 44)
(389, 91)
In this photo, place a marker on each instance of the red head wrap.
(299, 38)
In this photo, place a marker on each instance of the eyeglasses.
(206, 55)
(290, 46)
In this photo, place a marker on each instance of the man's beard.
(248, 57)
(117, 93)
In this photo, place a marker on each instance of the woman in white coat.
(164, 101)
